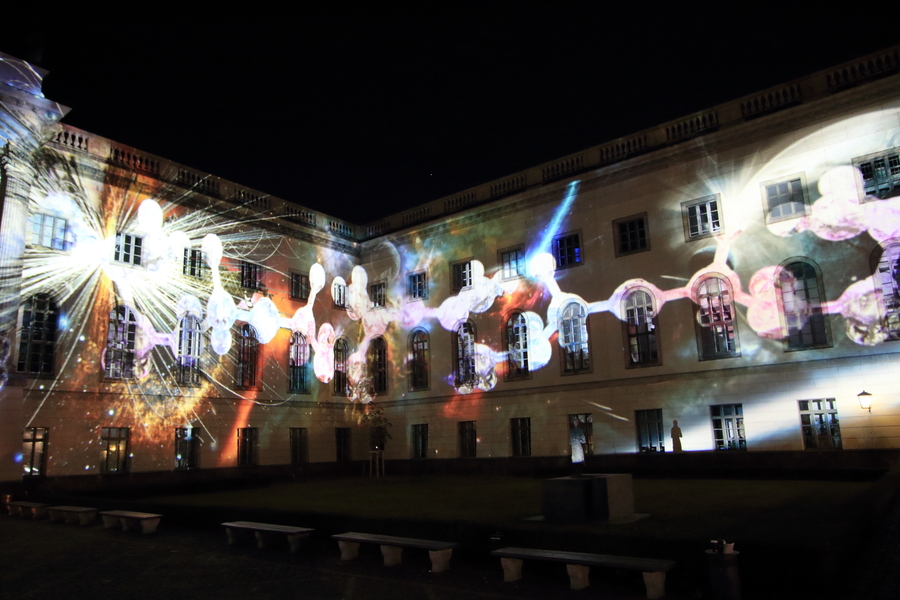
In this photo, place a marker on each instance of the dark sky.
(364, 110)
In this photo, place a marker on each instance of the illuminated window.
(517, 345)
(467, 439)
(247, 447)
(417, 284)
(378, 365)
(785, 199)
(298, 364)
(193, 263)
(420, 441)
(819, 424)
(114, 450)
(716, 328)
(880, 174)
(50, 232)
(418, 360)
(120, 338)
(631, 235)
(574, 336)
(37, 337)
(248, 357)
(34, 451)
(299, 286)
(342, 443)
(650, 435)
(251, 275)
(728, 426)
(640, 329)
(299, 445)
(701, 218)
(567, 250)
(341, 354)
(187, 448)
(888, 278)
(339, 294)
(512, 263)
(520, 436)
(376, 295)
(465, 354)
(461, 274)
(128, 249)
(586, 424)
(801, 293)
(189, 337)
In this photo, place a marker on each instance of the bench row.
(85, 515)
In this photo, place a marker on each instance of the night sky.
(364, 110)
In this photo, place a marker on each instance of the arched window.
(341, 354)
(465, 354)
(717, 330)
(37, 339)
(517, 344)
(248, 357)
(574, 334)
(378, 365)
(298, 364)
(640, 329)
(418, 360)
(120, 338)
(188, 368)
(888, 278)
(801, 294)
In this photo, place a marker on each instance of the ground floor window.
(34, 451)
(342, 442)
(248, 446)
(520, 434)
(467, 439)
(819, 424)
(420, 441)
(187, 448)
(581, 430)
(728, 426)
(114, 444)
(299, 445)
(649, 425)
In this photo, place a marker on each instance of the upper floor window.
(339, 292)
(717, 330)
(299, 286)
(341, 354)
(189, 337)
(567, 250)
(465, 354)
(248, 357)
(417, 285)
(193, 262)
(512, 263)
(378, 365)
(461, 274)
(128, 248)
(298, 364)
(418, 360)
(251, 275)
(785, 199)
(120, 339)
(376, 295)
(50, 232)
(888, 278)
(801, 293)
(517, 345)
(880, 173)
(701, 218)
(631, 235)
(640, 329)
(37, 338)
(574, 337)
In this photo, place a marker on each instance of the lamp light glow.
(865, 400)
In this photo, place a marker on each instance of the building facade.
(723, 282)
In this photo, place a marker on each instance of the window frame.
(187, 364)
(419, 441)
(464, 373)
(419, 360)
(587, 427)
(813, 314)
(124, 339)
(417, 285)
(377, 295)
(468, 439)
(636, 332)
(194, 260)
(298, 364)
(767, 209)
(642, 232)
(252, 275)
(574, 363)
(520, 436)
(299, 286)
(648, 425)
(37, 336)
(461, 275)
(247, 363)
(38, 235)
(377, 363)
(34, 451)
(570, 255)
(119, 463)
(718, 219)
(887, 276)
(811, 440)
(339, 293)
(299, 445)
(247, 447)
(340, 384)
(708, 348)
(887, 155)
(512, 263)
(517, 334)
(128, 249)
(187, 448)
(736, 418)
(343, 451)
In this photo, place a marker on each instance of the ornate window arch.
(189, 348)
(378, 365)
(465, 354)
(120, 340)
(639, 310)
(573, 334)
(517, 346)
(298, 364)
(716, 324)
(248, 357)
(418, 360)
(37, 337)
(341, 354)
(800, 295)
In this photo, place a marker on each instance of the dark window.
(512, 263)
(187, 448)
(299, 286)
(567, 250)
(631, 235)
(378, 365)
(299, 445)
(801, 294)
(376, 295)
(640, 329)
(189, 338)
(251, 275)
(465, 354)
(342, 443)
(701, 217)
(461, 274)
(128, 249)
(819, 424)
(888, 278)
(717, 330)
(880, 174)
(467, 439)
(728, 426)
(420, 441)
(193, 263)
(247, 447)
(785, 200)
(341, 354)
(418, 363)
(248, 357)
(120, 339)
(34, 451)
(520, 435)
(418, 285)
(114, 450)
(50, 232)
(517, 346)
(37, 338)
(298, 364)
(573, 329)
(650, 436)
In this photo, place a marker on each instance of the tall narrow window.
(420, 440)
(299, 445)
(378, 365)
(819, 424)
(120, 339)
(649, 423)
(187, 448)
(341, 354)
(376, 295)
(299, 286)
(193, 262)
(465, 354)
(339, 293)
(298, 364)
(888, 277)
(574, 337)
(717, 330)
(37, 338)
(728, 426)
(342, 443)
(248, 357)
(114, 449)
(801, 306)
(467, 439)
(247, 446)
(517, 345)
(640, 329)
(461, 274)
(418, 360)
(520, 435)
(34, 451)
(189, 336)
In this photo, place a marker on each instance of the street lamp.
(865, 400)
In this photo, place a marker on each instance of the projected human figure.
(577, 440)
(676, 437)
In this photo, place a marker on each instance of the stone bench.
(392, 548)
(130, 520)
(23, 509)
(264, 532)
(578, 564)
(72, 514)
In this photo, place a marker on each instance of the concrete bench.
(25, 510)
(72, 514)
(578, 564)
(392, 547)
(264, 532)
(130, 520)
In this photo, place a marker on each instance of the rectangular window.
(128, 249)
(819, 424)
(728, 426)
(632, 235)
(339, 294)
(193, 263)
(376, 295)
(187, 448)
(467, 439)
(342, 443)
(701, 218)
(650, 436)
(251, 275)
(520, 435)
(50, 232)
(785, 199)
(512, 263)
(581, 427)
(34, 451)
(417, 286)
(461, 274)
(299, 286)
(880, 174)
(567, 250)
(248, 446)
(420, 441)
(299, 445)
(114, 447)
